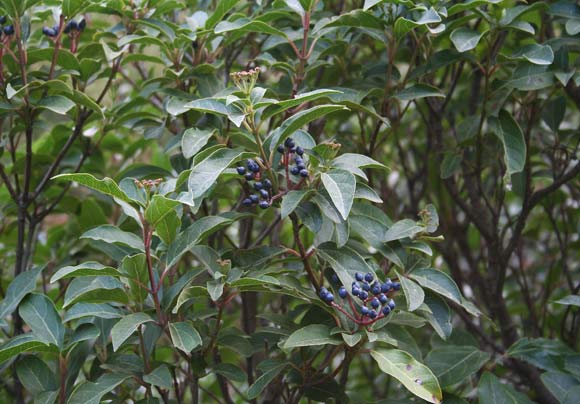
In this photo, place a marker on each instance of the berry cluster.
(252, 172)
(289, 148)
(7, 30)
(71, 27)
(373, 295)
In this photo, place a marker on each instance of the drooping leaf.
(464, 39)
(22, 285)
(414, 294)
(105, 186)
(39, 313)
(509, 133)
(415, 376)
(439, 282)
(341, 186)
(184, 336)
(127, 326)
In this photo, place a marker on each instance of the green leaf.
(204, 174)
(417, 91)
(193, 235)
(559, 384)
(101, 310)
(114, 235)
(265, 379)
(19, 344)
(90, 268)
(530, 77)
(465, 39)
(92, 392)
(39, 313)
(231, 372)
(453, 364)
(437, 312)
(213, 106)
(193, 141)
(98, 289)
(404, 25)
(405, 228)
(355, 162)
(221, 9)
(491, 391)
(439, 282)
(357, 19)
(159, 208)
(295, 6)
(537, 54)
(56, 103)
(509, 133)
(414, 294)
(541, 352)
(311, 335)
(17, 290)
(570, 300)
(136, 276)
(245, 25)
(415, 376)
(297, 100)
(105, 186)
(341, 186)
(184, 336)
(160, 377)
(127, 326)
(300, 119)
(35, 375)
(291, 201)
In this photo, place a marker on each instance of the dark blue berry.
(375, 289)
(247, 202)
(258, 185)
(292, 149)
(267, 184)
(369, 277)
(363, 295)
(249, 176)
(335, 279)
(356, 285)
(298, 160)
(329, 297)
(254, 167)
(264, 204)
(72, 25)
(301, 166)
(366, 287)
(82, 24)
(289, 143)
(323, 293)
(372, 314)
(342, 292)
(304, 173)
(295, 170)
(375, 303)
(383, 298)
(2, 20)
(396, 286)
(280, 148)
(9, 30)
(254, 198)
(241, 170)
(386, 310)
(299, 150)
(359, 276)
(392, 304)
(386, 287)
(364, 310)
(48, 31)
(264, 194)
(355, 291)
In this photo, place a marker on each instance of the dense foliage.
(289, 201)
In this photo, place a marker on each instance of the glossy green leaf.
(105, 186)
(405, 228)
(415, 376)
(414, 294)
(56, 103)
(439, 282)
(101, 310)
(509, 133)
(184, 336)
(89, 268)
(291, 201)
(246, 25)
(160, 377)
(311, 335)
(19, 344)
(345, 262)
(213, 106)
(39, 313)
(570, 300)
(464, 39)
(20, 286)
(491, 391)
(536, 54)
(127, 326)
(417, 91)
(205, 174)
(92, 392)
(453, 364)
(262, 382)
(341, 186)
(559, 383)
(98, 289)
(114, 235)
(35, 375)
(193, 141)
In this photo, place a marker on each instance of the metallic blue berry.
(254, 198)
(295, 170)
(375, 289)
(386, 310)
(396, 286)
(372, 314)
(82, 24)
(329, 297)
(9, 30)
(247, 202)
(386, 287)
(241, 170)
(298, 160)
(363, 295)
(289, 143)
(48, 31)
(375, 303)
(391, 304)
(299, 150)
(249, 176)
(301, 166)
(264, 204)
(364, 310)
(383, 298)
(369, 277)
(334, 279)
(359, 276)
(267, 184)
(280, 148)
(342, 292)
(258, 185)
(264, 194)
(304, 173)
(366, 287)
(355, 291)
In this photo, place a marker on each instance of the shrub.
(238, 201)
